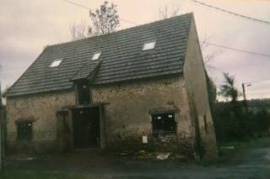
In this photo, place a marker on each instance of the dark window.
(163, 124)
(24, 131)
(83, 93)
(205, 123)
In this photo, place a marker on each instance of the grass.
(228, 155)
(235, 151)
(30, 174)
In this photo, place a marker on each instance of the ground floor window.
(163, 124)
(24, 131)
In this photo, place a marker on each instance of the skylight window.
(96, 55)
(149, 45)
(56, 63)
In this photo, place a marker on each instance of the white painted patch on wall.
(144, 139)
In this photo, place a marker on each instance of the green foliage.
(33, 174)
(228, 89)
(233, 122)
(212, 91)
(105, 19)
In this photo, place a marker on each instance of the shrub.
(234, 122)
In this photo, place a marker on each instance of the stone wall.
(195, 78)
(41, 109)
(127, 114)
(128, 108)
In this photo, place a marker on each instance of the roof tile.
(122, 57)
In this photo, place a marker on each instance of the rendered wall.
(195, 79)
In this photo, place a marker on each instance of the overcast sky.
(27, 26)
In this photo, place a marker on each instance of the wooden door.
(86, 127)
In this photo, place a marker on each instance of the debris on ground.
(124, 154)
(152, 155)
(231, 147)
(142, 154)
(163, 156)
(23, 158)
(179, 157)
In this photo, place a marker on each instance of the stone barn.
(138, 87)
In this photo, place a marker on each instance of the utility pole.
(244, 85)
(244, 91)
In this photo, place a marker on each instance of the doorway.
(86, 127)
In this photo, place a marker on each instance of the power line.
(208, 43)
(204, 4)
(261, 81)
(212, 44)
(251, 82)
(211, 67)
(239, 50)
(77, 4)
(232, 13)
(87, 8)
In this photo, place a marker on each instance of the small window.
(83, 93)
(149, 45)
(205, 123)
(56, 63)
(96, 55)
(163, 124)
(24, 131)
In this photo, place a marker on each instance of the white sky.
(27, 26)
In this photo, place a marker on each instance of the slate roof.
(122, 57)
(87, 70)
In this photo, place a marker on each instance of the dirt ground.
(248, 160)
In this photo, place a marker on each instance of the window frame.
(56, 63)
(24, 131)
(150, 45)
(83, 93)
(96, 55)
(161, 126)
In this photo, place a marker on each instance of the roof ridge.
(171, 34)
(122, 30)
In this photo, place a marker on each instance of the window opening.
(96, 55)
(24, 131)
(149, 45)
(83, 93)
(163, 124)
(56, 63)
(205, 123)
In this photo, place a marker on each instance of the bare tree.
(78, 31)
(166, 12)
(208, 57)
(105, 19)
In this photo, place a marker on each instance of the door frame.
(102, 139)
